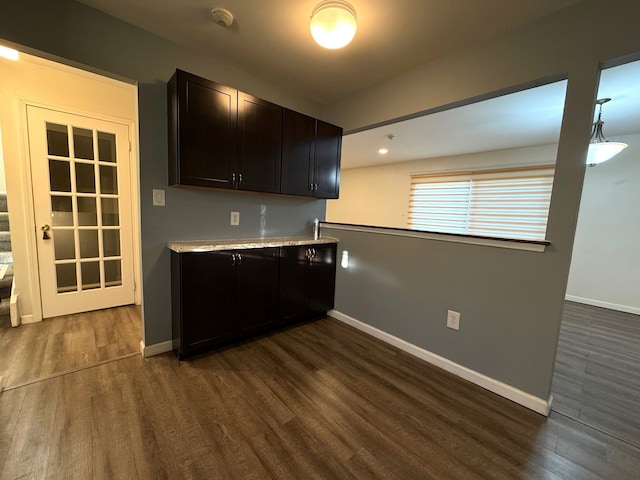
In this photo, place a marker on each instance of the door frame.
(26, 219)
(32, 255)
(18, 169)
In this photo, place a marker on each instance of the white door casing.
(81, 194)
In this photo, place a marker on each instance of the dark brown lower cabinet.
(222, 296)
(307, 282)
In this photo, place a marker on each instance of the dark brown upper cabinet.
(297, 153)
(259, 144)
(222, 138)
(326, 160)
(203, 119)
(310, 156)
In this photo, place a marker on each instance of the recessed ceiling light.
(383, 151)
(9, 53)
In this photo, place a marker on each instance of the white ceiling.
(527, 118)
(271, 39)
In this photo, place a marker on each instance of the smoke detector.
(222, 17)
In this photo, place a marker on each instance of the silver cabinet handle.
(236, 258)
(315, 187)
(239, 179)
(233, 177)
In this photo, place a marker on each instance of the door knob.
(45, 232)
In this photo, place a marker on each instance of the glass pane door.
(82, 200)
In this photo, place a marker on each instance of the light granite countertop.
(242, 244)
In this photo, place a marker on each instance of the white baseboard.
(156, 348)
(599, 303)
(27, 319)
(14, 312)
(525, 399)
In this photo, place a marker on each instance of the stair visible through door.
(6, 264)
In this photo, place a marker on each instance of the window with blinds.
(506, 203)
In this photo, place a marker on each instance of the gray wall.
(81, 34)
(511, 301)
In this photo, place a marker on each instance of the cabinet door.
(322, 278)
(259, 144)
(327, 151)
(206, 132)
(297, 153)
(207, 303)
(257, 289)
(294, 284)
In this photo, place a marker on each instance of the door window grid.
(89, 264)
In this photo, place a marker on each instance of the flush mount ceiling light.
(333, 24)
(601, 149)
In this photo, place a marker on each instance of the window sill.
(514, 244)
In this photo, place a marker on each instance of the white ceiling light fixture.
(601, 149)
(333, 23)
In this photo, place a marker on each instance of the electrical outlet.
(453, 320)
(235, 218)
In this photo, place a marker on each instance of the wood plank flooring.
(597, 373)
(37, 350)
(321, 400)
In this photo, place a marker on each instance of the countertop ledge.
(243, 244)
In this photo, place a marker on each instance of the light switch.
(235, 218)
(158, 198)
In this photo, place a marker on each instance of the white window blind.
(507, 203)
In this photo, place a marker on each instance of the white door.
(82, 203)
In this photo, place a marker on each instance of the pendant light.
(601, 149)
(333, 24)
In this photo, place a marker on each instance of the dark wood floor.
(321, 400)
(38, 350)
(597, 373)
